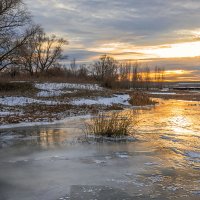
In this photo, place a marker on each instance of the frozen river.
(50, 163)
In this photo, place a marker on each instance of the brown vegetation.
(140, 99)
(16, 86)
(113, 125)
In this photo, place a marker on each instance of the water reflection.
(43, 137)
(173, 128)
(170, 122)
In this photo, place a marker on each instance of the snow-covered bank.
(22, 101)
(107, 101)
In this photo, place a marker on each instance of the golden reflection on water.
(178, 120)
(172, 127)
(171, 116)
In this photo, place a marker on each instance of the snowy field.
(56, 101)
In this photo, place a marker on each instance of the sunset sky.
(154, 32)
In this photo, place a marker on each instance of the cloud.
(93, 24)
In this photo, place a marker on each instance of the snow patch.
(52, 93)
(22, 101)
(122, 155)
(58, 89)
(62, 86)
(108, 101)
(162, 93)
(6, 113)
(165, 90)
(100, 161)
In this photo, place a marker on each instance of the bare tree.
(73, 67)
(124, 71)
(147, 77)
(13, 15)
(105, 68)
(159, 76)
(26, 54)
(48, 50)
(82, 72)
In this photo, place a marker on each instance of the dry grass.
(113, 125)
(45, 78)
(42, 108)
(42, 112)
(16, 86)
(140, 99)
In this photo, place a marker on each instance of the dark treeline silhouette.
(116, 74)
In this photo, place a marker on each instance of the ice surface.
(193, 154)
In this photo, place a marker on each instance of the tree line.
(120, 74)
(126, 74)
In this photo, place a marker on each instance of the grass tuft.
(140, 99)
(110, 125)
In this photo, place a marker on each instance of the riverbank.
(47, 102)
(26, 102)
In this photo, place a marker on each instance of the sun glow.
(175, 72)
(176, 55)
(187, 49)
(126, 51)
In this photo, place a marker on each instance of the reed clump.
(110, 125)
(140, 99)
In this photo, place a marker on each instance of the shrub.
(140, 99)
(110, 125)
